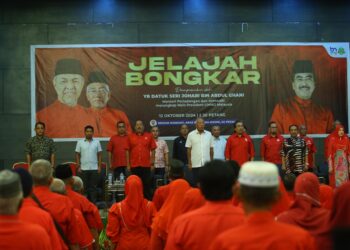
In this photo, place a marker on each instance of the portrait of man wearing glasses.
(98, 95)
(301, 109)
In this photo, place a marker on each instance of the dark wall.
(128, 21)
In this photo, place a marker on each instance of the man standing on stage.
(239, 146)
(310, 146)
(88, 155)
(271, 146)
(200, 150)
(116, 148)
(140, 156)
(179, 148)
(40, 146)
(161, 161)
(219, 143)
(294, 153)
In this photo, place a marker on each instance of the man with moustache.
(98, 95)
(140, 156)
(64, 118)
(300, 109)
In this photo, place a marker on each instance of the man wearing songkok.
(176, 172)
(239, 146)
(258, 190)
(40, 146)
(294, 153)
(200, 150)
(271, 146)
(140, 156)
(300, 109)
(31, 212)
(15, 233)
(198, 228)
(86, 239)
(98, 94)
(65, 117)
(79, 201)
(60, 207)
(306, 211)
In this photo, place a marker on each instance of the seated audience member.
(258, 190)
(59, 206)
(288, 181)
(306, 211)
(176, 172)
(15, 233)
(326, 196)
(193, 199)
(166, 215)
(31, 212)
(129, 221)
(86, 239)
(87, 208)
(340, 217)
(78, 185)
(198, 228)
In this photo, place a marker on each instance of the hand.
(99, 170)
(128, 168)
(330, 169)
(283, 167)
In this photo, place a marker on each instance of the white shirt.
(200, 144)
(219, 148)
(88, 153)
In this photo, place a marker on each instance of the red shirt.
(86, 238)
(140, 147)
(17, 234)
(31, 212)
(271, 147)
(197, 229)
(106, 119)
(61, 209)
(261, 231)
(86, 208)
(239, 148)
(311, 149)
(117, 146)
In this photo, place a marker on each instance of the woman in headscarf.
(283, 202)
(326, 196)
(306, 211)
(338, 159)
(129, 221)
(193, 199)
(166, 215)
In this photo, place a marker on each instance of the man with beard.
(300, 109)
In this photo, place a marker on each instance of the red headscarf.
(306, 211)
(193, 199)
(171, 207)
(326, 196)
(340, 215)
(283, 202)
(134, 206)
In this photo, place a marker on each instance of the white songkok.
(259, 174)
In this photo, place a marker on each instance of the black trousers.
(90, 179)
(117, 171)
(145, 175)
(195, 173)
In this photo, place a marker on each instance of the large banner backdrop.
(172, 84)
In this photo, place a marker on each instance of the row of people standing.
(143, 153)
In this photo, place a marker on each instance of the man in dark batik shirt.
(40, 146)
(294, 153)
